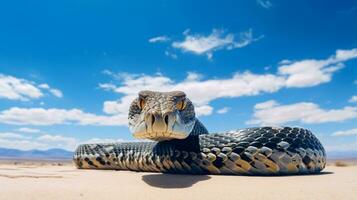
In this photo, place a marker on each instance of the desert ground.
(61, 180)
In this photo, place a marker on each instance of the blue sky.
(70, 68)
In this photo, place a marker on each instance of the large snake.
(182, 144)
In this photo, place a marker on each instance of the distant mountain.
(36, 154)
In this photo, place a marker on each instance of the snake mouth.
(159, 136)
(160, 127)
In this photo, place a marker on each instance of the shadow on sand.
(185, 181)
(173, 180)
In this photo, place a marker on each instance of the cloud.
(217, 40)
(10, 135)
(28, 130)
(56, 92)
(47, 141)
(240, 84)
(265, 3)
(223, 110)
(353, 99)
(21, 89)
(171, 55)
(44, 86)
(203, 110)
(159, 39)
(346, 132)
(52, 116)
(344, 55)
(58, 141)
(43, 142)
(271, 113)
(265, 105)
(193, 76)
(22, 144)
(107, 86)
(18, 89)
(203, 91)
(311, 72)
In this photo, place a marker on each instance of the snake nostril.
(166, 118)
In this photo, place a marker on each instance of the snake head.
(161, 115)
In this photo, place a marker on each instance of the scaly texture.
(253, 151)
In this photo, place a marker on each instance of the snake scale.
(182, 144)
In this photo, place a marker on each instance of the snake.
(171, 139)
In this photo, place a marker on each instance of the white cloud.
(223, 110)
(28, 130)
(311, 72)
(171, 55)
(218, 39)
(20, 89)
(203, 91)
(22, 144)
(56, 92)
(58, 141)
(305, 112)
(241, 84)
(159, 39)
(47, 141)
(55, 138)
(203, 110)
(346, 132)
(52, 116)
(44, 86)
(344, 55)
(193, 76)
(10, 135)
(107, 86)
(265, 105)
(42, 142)
(265, 3)
(353, 99)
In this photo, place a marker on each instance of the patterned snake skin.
(252, 151)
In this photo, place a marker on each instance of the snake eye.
(141, 103)
(181, 105)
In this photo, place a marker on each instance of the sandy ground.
(50, 181)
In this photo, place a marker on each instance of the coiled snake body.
(183, 144)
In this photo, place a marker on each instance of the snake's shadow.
(173, 180)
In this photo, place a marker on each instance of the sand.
(50, 181)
